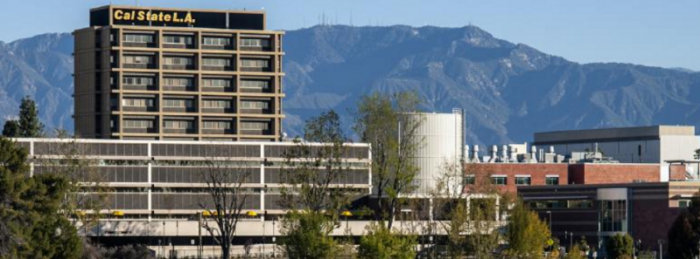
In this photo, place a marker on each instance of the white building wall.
(442, 136)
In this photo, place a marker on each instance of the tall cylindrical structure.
(441, 137)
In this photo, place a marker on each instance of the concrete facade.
(217, 77)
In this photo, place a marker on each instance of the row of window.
(186, 103)
(188, 40)
(178, 103)
(519, 180)
(184, 124)
(188, 82)
(561, 204)
(188, 61)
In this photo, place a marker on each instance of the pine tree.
(684, 234)
(29, 124)
(11, 129)
(29, 224)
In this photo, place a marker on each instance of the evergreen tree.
(30, 226)
(29, 124)
(11, 129)
(684, 235)
(620, 246)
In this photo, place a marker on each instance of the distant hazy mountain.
(508, 90)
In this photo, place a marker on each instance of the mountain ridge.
(508, 90)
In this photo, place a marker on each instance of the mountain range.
(507, 90)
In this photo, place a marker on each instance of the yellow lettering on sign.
(143, 15)
(188, 18)
(118, 14)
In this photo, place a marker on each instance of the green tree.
(575, 253)
(29, 224)
(10, 129)
(381, 243)
(306, 235)
(526, 234)
(312, 168)
(29, 124)
(381, 121)
(684, 234)
(620, 246)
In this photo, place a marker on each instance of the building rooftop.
(612, 134)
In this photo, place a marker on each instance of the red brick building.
(508, 176)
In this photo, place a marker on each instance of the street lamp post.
(347, 214)
(550, 221)
(253, 214)
(571, 240)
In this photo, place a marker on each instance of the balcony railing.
(219, 131)
(179, 109)
(218, 110)
(140, 130)
(256, 69)
(139, 44)
(179, 88)
(178, 46)
(138, 87)
(218, 89)
(217, 68)
(180, 131)
(267, 49)
(179, 67)
(139, 66)
(139, 108)
(218, 47)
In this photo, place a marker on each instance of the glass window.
(178, 103)
(255, 84)
(138, 59)
(138, 38)
(250, 125)
(552, 180)
(216, 41)
(217, 62)
(136, 80)
(175, 81)
(255, 63)
(216, 83)
(178, 61)
(522, 180)
(499, 180)
(684, 203)
(138, 124)
(470, 180)
(178, 124)
(217, 125)
(613, 215)
(255, 105)
(255, 43)
(216, 104)
(137, 102)
(177, 39)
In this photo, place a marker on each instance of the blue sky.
(656, 33)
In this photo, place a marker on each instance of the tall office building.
(174, 74)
